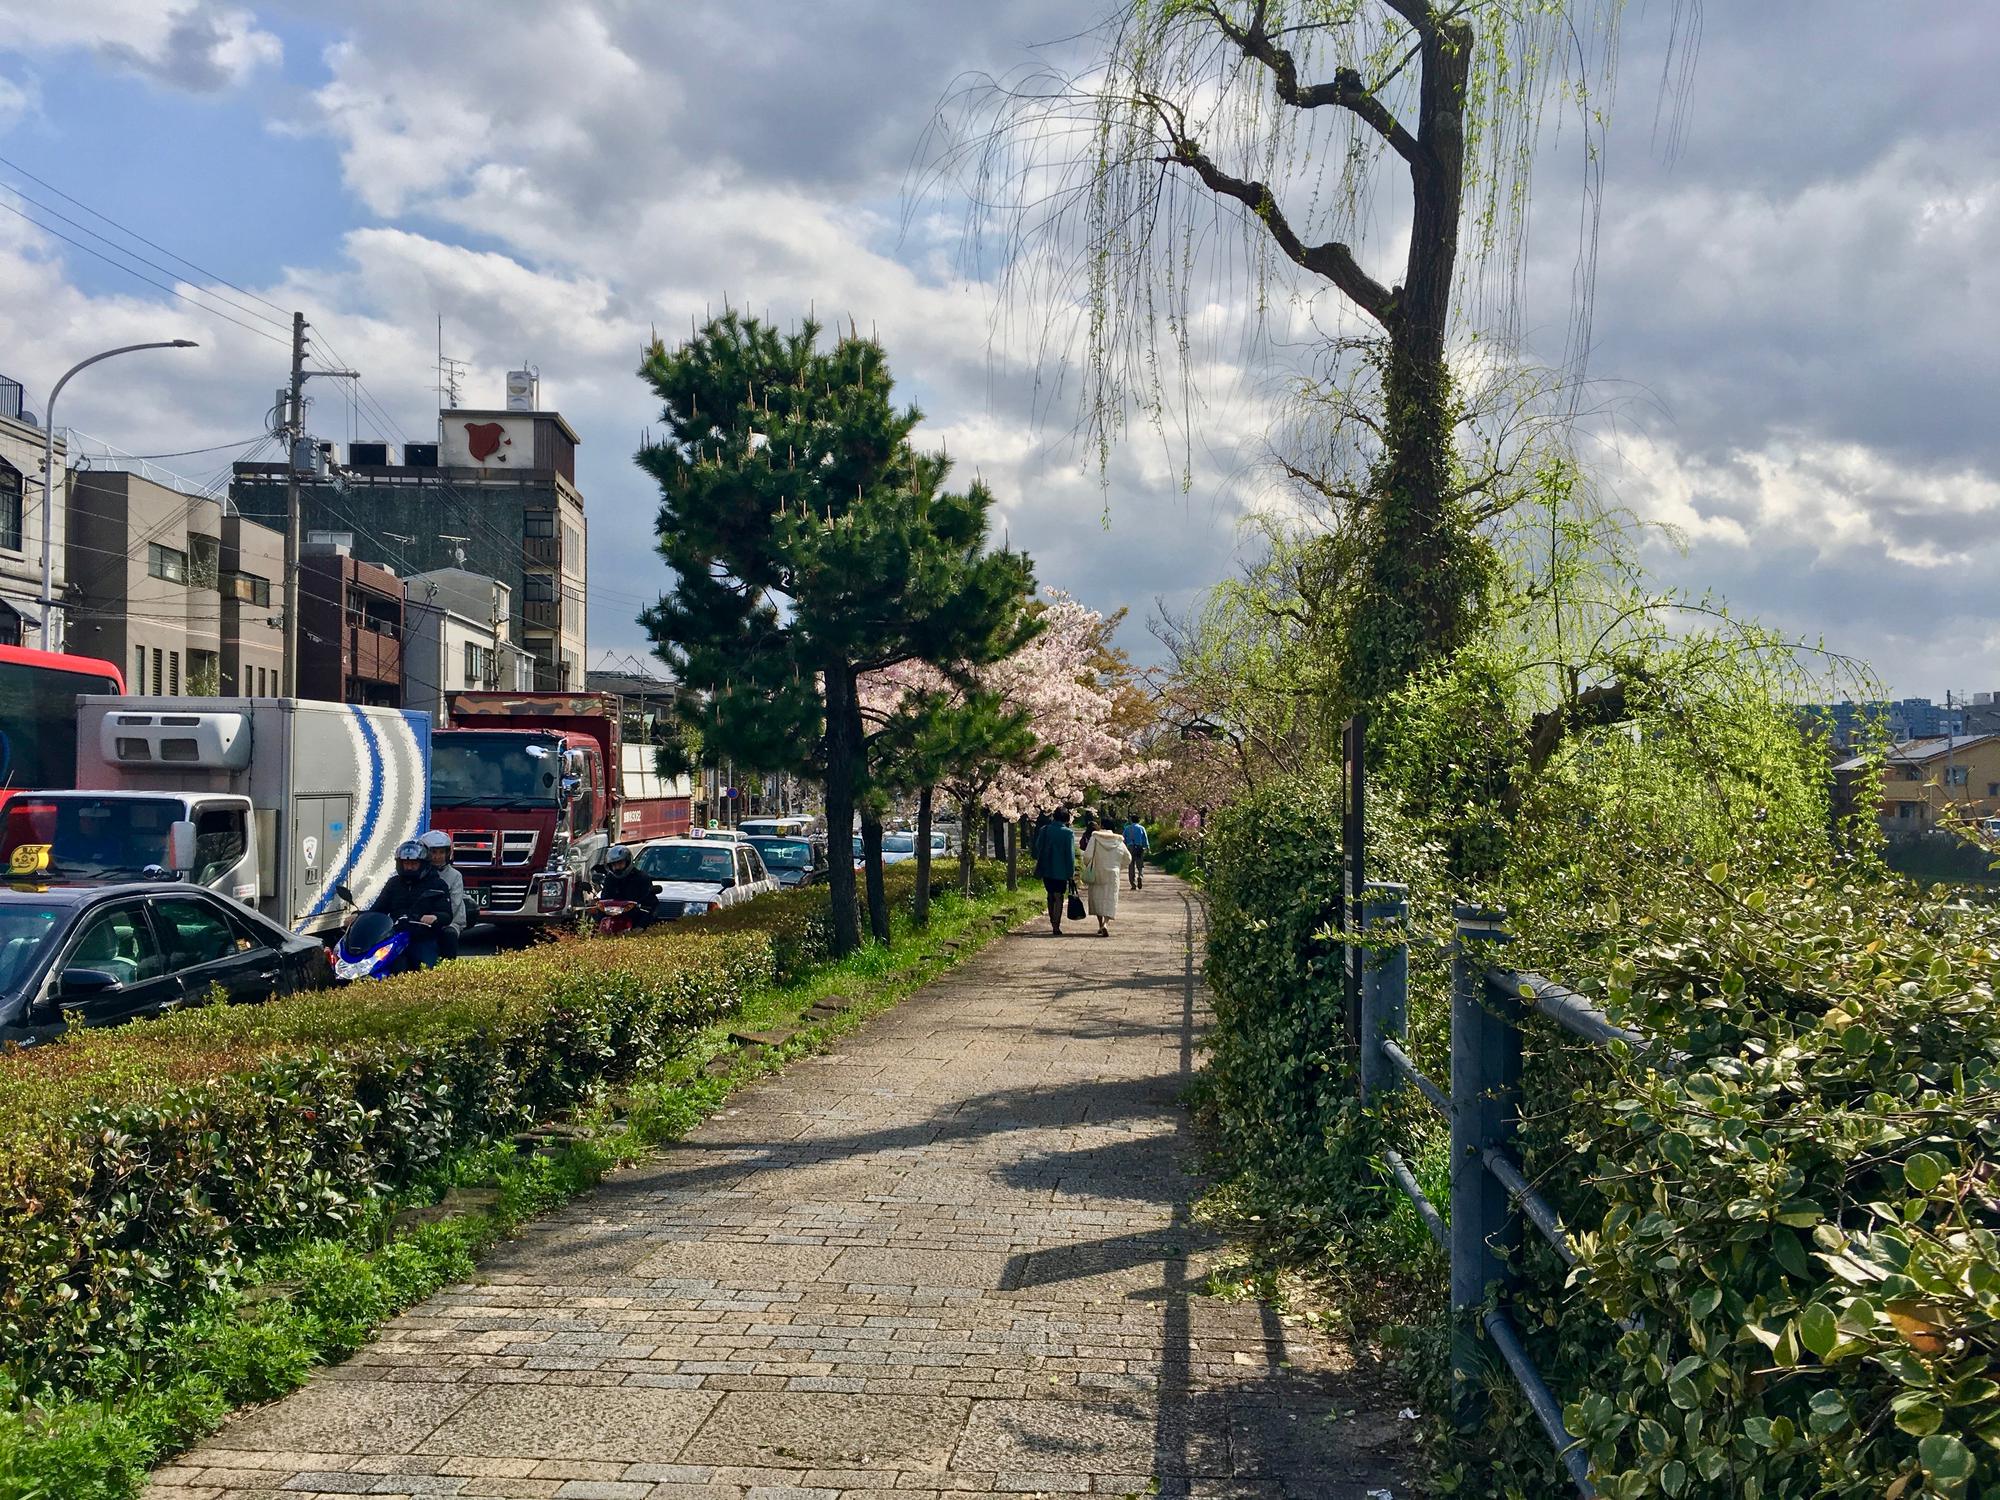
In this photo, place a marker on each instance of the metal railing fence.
(1491, 1197)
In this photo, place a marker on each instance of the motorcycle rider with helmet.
(417, 897)
(623, 880)
(437, 845)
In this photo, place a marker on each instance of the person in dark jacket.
(1055, 862)
(417, 897)
(625, 881)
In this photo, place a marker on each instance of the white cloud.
(196, 45)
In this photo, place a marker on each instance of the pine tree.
(810, 542)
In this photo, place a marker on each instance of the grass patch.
(258, 1335)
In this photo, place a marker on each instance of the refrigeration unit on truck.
(528, 787)
(279, 801)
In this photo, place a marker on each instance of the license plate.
(475, 896)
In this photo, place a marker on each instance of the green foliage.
(1280, 1085)
(1799, 1223)
(1802, 1215)
(142, 1167)
(267, 1321)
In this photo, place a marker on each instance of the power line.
(249, 312)
(120, 265)
(224, 281)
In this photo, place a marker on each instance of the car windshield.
(470, 769)
(686, 862)
(785, 854)
(90, 838)
(899, 843)
(26, 930)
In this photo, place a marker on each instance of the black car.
(792, 861)
(96, 955)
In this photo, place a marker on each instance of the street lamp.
(49, 476)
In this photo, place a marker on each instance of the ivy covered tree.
(810, 542)
(1375, 157)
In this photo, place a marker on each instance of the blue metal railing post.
(1485, 1087)
(1385, 986)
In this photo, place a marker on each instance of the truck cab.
(208, 839)
(527, 810)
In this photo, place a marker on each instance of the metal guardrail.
(1491, 1197)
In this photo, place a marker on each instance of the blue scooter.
(372, 946)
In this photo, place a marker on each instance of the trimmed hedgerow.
(1799, 1227)
(142, 1167)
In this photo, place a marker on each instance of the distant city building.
(172, 587)
(496, 498)
(1849, 724)
(455, 626)
(350, 628)
(21, 513)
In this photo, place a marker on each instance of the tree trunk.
(871, 860)
(1013, 855)
(1426, 570)
(966, 813)
(842, 775)
(923, 909)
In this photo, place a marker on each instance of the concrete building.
(164, 583)
(497, 498)
(350, 628)
(21, 519)
(455, 627)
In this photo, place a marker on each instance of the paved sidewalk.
(953, 1257)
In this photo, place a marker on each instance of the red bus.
(38, 691)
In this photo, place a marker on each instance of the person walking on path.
(1055, 863)
(1136, 845)
(1101, 864)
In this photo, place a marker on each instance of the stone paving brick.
(954, 1257)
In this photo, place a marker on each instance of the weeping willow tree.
(1377, 150)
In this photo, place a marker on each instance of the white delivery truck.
(274, 801)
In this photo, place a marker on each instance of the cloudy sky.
(1793, 342)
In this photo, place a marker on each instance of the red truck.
(527, 785)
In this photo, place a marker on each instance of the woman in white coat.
(1101, 866)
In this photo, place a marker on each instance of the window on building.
(1993, 788)
(204, 562)
(169, 563)
(10, 507)
(250, 588)
(538, 588)
(204, 673)
(572, 613)
(173, 674)
(1956, 775)
(479, 666)
(138, 669)
(156, 671)
(538, 523)
(573, 551)
(1904, 809)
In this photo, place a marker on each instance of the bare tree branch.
(1346, 91)
(1332, 259)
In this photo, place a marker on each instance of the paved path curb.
(952, 1258)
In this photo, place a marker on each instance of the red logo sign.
(485, 439)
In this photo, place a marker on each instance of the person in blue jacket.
(1136, 844)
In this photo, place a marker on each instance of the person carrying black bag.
(1055, 863)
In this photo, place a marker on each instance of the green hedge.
(1805, 1219)
(141, 1167)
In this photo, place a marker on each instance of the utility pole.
(295, 420)
(295, 431)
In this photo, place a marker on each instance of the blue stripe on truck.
(371, 812)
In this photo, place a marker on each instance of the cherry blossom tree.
(1055, 686)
